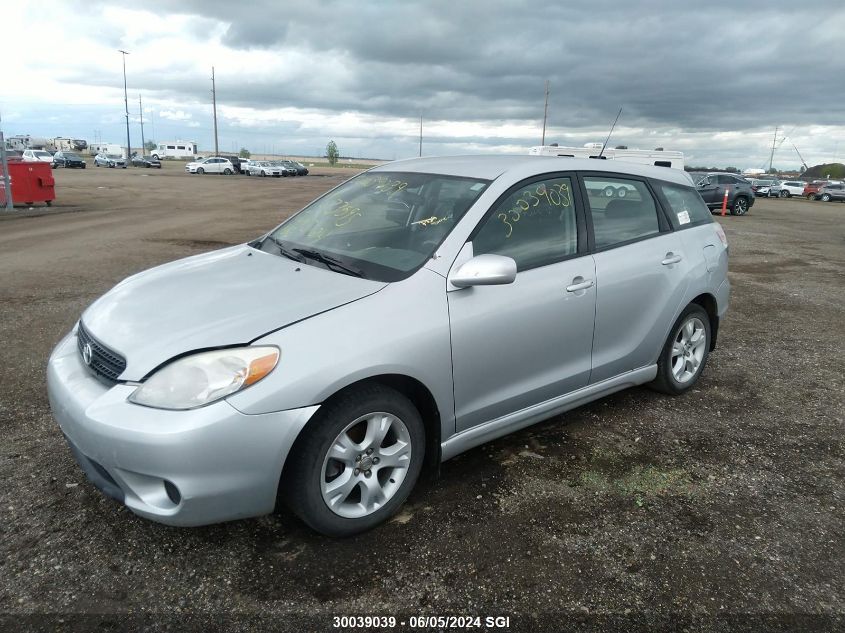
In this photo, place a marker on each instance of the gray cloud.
(696, 68)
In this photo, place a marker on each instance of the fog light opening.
(172, 493)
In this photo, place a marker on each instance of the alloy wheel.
(366, 465)
(688, 350)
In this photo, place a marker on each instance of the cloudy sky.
(711, 79)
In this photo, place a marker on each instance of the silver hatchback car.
(413, 312)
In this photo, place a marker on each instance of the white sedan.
(211, 165)
(37, 156)
(264, 168)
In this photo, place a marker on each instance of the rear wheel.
(227, 172)
(356, 463)
(685, 352)
(740, 206)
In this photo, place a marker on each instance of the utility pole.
(545, 114)
(420, 134)
(126, 104)
(214, 106)
(4, 165)
(772, 156)
(143, 143)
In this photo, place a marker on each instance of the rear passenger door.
(641, 268)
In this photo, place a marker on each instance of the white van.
(175, 149)
(658, 157)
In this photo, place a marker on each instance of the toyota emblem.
(86, 354)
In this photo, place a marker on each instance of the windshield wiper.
(284, 250)
(330, 262)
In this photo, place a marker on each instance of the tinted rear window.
(685, 205)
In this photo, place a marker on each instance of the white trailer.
(175, 149)
(107, 148)
(659, 156)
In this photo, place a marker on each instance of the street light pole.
(214, 106)
(141, 111)
(126, 104)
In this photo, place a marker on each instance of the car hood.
(228, 297)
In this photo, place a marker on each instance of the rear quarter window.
(686, 207)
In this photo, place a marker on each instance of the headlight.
(200, 379)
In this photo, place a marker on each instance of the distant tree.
(150, 145)
(732, 170)
(332, 153)
(244, 153)
(771, 170)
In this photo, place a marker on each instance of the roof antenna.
(609, 133)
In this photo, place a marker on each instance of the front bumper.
(194, 467)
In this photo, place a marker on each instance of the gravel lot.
(721, 508)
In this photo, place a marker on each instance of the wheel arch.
(419, 395)
(708, 302)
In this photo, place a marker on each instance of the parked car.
(415, 311)
(146, 161)
(832, 192)
(787, 189)
(211, 165)
(761, 186)
(285, 169)
(235, 161)
(109, 160)
(293, 169)
(812, 189)
(244, 164)
(68, 159)
(301, 169)
(712, 189)
(37, 156)
(264, 168)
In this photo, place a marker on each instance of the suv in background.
(812, 189)
(712, 189)
(832, 192)
(787, 189)
(762, 186)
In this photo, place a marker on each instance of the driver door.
(520, 344)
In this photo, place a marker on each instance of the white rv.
(175, 149)
(659, 156)
(107, 148)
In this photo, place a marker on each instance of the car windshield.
(114, 156)
(40, 154)
(380, 225)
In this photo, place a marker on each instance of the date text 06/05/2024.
(422, 621)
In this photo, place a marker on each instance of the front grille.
(105, 363)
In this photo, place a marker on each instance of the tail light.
(721, 233)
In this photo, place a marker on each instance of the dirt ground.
(718, 510)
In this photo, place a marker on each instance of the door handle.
(670, 259)
(579, 285)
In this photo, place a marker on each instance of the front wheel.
(784, 193)
(825, 197)
(685, 352)
(740, 206)
(200, 171)
(263, 173)
(356, 462)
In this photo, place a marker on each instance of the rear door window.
(622, 210)
(685, 206)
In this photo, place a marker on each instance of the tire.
(83, 166)
(740, 206)
(263, 174)
(682, 350)
(200, 171)
(783, 193)
(310, 471)
(227, 172)
(825, 197)
(609, 192)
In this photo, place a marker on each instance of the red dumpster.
(31, 182)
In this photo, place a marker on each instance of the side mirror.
(485, 270)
